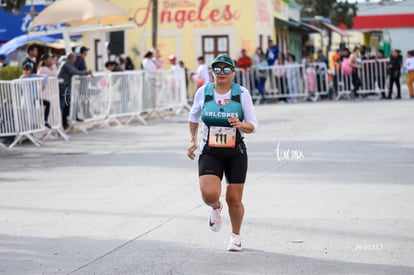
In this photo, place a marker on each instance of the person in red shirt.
(244, 61)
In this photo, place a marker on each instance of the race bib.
(224, 137)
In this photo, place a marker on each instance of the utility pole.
(154, 23)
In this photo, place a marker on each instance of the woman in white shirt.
(409, 66)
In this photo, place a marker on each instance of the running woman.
(227, 112)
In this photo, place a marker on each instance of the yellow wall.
(183, 23)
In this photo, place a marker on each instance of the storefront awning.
(310, 29)
(336, 29)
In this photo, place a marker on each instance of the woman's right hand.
(191, 150)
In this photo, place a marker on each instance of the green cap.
(223, 58)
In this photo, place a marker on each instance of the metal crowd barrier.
(108, 97)
(24, 103)
(7, 124)
(22, 114)
(165, 90)
(288, 82)
(105, 98)
(372, 76)
(50, 92)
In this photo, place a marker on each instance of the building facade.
(386, 24)
(193, 28)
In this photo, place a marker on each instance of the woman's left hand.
(234, 122)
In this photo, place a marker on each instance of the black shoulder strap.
(235, 92)
(236, 98)
(209, 92)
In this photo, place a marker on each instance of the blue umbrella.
(22, 40)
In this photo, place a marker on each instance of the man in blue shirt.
(272, 53)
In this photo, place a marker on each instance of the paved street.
(330, 190)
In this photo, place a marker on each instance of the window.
(214, 45)
(99, 66)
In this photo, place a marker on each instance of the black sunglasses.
(225, 70)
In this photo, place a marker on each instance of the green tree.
(12, 5)
(337, 12)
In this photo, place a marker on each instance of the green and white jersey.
(216, 111)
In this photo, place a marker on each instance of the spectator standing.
(321, 71)
(279, 70)
(261, 74)
(3, 61)
(129, 65)
(173, 61)
(47, 66)
(381, 72)
(202, 75)
(293, 76)
(272, 53)
(395, 65)
(66, 72)
(80, 62)
(409, 66)
(244, 61)
(182, 66)
(354, 63)
(310, 76)
(159, 61)
(122, 62)
(32, 52)
(28, 72)
(109, 66)
(256, 57)
(148, 63)
(177, 73)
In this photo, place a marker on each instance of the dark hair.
(31, 48)
(200, 58)
(109, 63)
(28, 66)
(293, 56)
(83, 49)
(148, 54)
(45, 56)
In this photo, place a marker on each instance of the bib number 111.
(224, 137)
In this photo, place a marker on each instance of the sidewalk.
(329, 191)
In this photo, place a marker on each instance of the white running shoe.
(235, 243)
(214, 220)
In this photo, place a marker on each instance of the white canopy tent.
(81, 17)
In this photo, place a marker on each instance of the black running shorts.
(233, 162)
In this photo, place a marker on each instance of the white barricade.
(342, 83)
(7, 125)
(370, 78)
(321, 79)
(50, 92)
(373, 76)
(126, 98)
(106, 97)
(286, 82)
(28, 109)
(164, 90)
